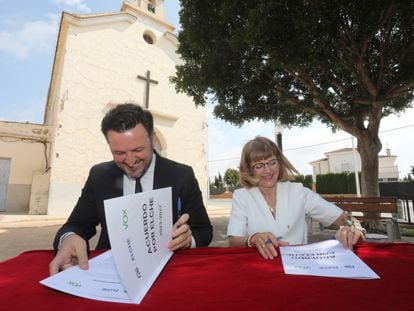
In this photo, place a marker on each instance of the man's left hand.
(181, 234)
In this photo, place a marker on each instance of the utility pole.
(356, 172)
(278, 135)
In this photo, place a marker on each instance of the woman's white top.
(250, 212)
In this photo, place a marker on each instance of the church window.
(149, 37)
(151, 7)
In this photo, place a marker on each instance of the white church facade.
(101, 60)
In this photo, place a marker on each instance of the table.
(228, 279)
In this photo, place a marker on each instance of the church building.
(101, 60)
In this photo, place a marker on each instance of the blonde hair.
(258, 149)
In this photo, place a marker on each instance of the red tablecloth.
(228, 279)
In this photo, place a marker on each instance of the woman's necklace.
(272, 210)
(270, 198)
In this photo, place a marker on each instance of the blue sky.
(28, 33)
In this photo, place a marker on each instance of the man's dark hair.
(125, 117)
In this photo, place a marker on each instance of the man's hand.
(72, 251)
(181, 234)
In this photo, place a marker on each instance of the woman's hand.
(349, 235)
(350, 230)
(266, 244)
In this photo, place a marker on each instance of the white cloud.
(35, 37)
(76, 4)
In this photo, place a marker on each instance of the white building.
(101, 60)
(342, 160)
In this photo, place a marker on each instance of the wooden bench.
(379, 205)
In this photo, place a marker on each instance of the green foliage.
(336, 183)
(218, 182)
(407, 232)
(305, 180)
(345, 63)
(408, 178)
(231, 177)
(294, 60)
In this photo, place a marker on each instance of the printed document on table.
(139, 228)
(100, 282)
(327, 259)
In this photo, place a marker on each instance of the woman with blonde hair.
(270, 210)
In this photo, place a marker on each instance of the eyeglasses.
(271, 164)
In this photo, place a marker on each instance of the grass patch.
(407, 232)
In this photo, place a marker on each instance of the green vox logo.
(74, 284)
(125, 219)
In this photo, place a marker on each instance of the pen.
(179, 207)
(268, 241)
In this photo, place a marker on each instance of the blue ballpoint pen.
(268, 241)
(179, 207)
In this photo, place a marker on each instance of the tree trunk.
(369, 147)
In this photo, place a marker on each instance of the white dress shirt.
(147, 180)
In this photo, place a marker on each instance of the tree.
(220, 180)
(306, 181)
(216, 182)
(408, 178)
(347, 64)
(231, 177)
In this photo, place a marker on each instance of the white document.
(327, 259)
(100, 282)
(139, 228)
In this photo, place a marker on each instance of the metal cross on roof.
(148, 80)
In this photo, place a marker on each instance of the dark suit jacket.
(105, 181)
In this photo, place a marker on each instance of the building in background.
(342, 160)
(101, 60)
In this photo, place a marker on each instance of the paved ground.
(23, 233)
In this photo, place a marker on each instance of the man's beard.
(122, 168)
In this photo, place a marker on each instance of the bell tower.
(153, 8)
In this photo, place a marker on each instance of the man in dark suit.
(136, 167)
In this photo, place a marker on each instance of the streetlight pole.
(278, 135)
(358, 191)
